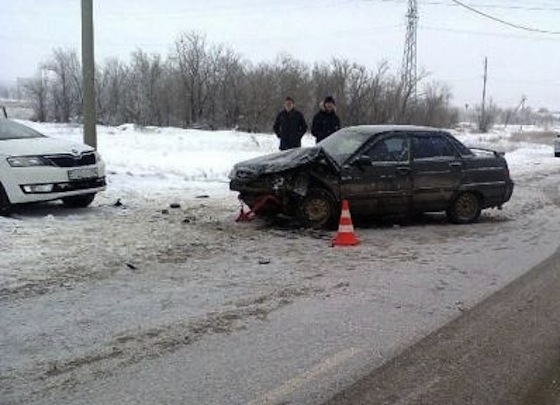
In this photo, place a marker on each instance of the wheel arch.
(315, 182)
(478, 193)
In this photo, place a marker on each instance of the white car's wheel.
(4, 201)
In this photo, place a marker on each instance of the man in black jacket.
(325, 121)
(289, 126)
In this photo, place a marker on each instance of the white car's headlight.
(97, 157)
(26, 161)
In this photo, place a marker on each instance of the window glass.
(344, 143)
(431, 146)
(13, 130)
(463, 150)
(392, 149)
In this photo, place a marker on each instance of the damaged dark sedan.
(381, 170)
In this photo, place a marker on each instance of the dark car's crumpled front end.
(282, 177)
(267, 174)
(248, 171)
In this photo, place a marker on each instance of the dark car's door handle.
(455, 164)
(403, 170)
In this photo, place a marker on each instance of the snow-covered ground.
(87, 294)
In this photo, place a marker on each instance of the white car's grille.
(84, 159)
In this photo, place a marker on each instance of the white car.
(35, 168)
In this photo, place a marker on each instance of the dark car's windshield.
(13, 130)
(343, 143)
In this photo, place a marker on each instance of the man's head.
(329, 103)
(289, 103)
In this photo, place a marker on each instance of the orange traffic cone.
(345, 235)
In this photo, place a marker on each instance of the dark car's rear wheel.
(78, 201)
(4, 201)
(318, 209)
(465, 209)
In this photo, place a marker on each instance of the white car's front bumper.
(19, 181)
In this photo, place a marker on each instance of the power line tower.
(409, 71)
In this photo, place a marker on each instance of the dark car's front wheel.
(465, 209)
(78, 201)
(318, 209)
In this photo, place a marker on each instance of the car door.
(436, 171)
(377, 181)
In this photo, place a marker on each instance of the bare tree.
(36, 89)
(433, 108)
(260, 102)
(66, 86)
(227, 97)
(191, 55)
(207, 85)
(146, 82)
(111, 93)
(4, 91)
(487, 120)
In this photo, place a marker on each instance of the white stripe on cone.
(345, 229)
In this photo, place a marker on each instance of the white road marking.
(290, 386)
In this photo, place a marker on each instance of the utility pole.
(522, 106)
(483, 120)
(88, 73)
(409, 71)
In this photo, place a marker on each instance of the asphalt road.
(217, 313)
(506, 350)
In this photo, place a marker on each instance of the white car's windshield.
(13, 130)
(344, 143)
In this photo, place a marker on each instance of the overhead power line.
(539, 6)
(521, 7)
(510, 24)
(491, 34)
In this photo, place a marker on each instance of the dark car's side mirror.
(362, 161)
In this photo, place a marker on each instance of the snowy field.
(87, 296)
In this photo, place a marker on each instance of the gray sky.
(452, 41)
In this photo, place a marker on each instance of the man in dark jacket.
(325, 121)
(289, 126)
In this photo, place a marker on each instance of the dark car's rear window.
(13, 130)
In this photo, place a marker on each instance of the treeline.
(520, 115)
(209, 86)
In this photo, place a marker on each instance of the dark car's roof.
(373, 129)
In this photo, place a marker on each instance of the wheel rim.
(466, 206)
(317, 210)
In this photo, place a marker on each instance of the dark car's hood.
(275, 162)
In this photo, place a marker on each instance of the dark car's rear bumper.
(509, 190)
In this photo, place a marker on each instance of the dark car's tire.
(318, 209)
(5, 205)
(78, 201)
(464, 209)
